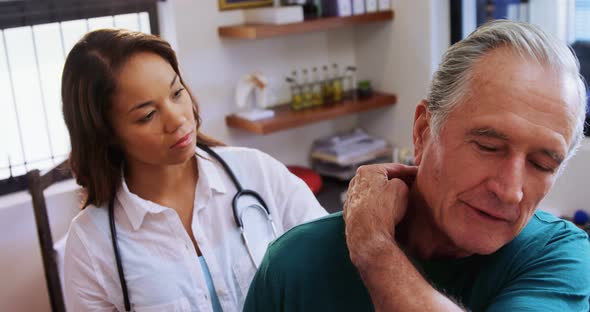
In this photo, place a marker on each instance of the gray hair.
(450, 82)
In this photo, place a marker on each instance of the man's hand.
(376, 201)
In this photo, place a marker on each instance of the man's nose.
(508, 181)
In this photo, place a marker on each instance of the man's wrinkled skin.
(383, 192)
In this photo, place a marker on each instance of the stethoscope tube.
(242, 192)
(237, 218)
(118, 256)
(243, 232)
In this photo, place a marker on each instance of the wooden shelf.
(285, 118)
(256, 31)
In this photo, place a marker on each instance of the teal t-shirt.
(545, 268)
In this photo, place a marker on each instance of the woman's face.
(152, 113)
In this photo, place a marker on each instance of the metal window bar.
(26, 13)
(62, 41)
(13, 95)
(43, 102)
(18, 182)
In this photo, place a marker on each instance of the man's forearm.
(394, 284)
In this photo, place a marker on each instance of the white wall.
(400, 58)
(545, 13)
(555, 17)
(571, 190)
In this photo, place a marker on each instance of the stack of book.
(340, 155)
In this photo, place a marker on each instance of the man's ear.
(421, 133)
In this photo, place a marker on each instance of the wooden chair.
(37, 183)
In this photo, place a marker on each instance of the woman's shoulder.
(87, 230)
(254, 168)
(90, 213)
(238, 150)
(89, 219)
(246, 156)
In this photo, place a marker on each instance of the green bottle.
(296, 97)
(316, 89)
(336, 84)
(327, 87)
(306, 90)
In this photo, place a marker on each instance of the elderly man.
(460, 231)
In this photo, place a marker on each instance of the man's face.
(498, 152)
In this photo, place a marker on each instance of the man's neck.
(155, 183)
(420, 236)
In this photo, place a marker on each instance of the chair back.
(37, 183)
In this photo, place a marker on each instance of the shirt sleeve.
(296, 203)
(82, 290)
(558, 279)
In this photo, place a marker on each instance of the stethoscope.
(237, 218)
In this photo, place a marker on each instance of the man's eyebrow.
(492, 133)
(488, 132)
(557, 157)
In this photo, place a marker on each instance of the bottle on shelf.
(349, 83)
(306, 90)
(296, 96)
(316, 88)
(327, 86)
(336, 84)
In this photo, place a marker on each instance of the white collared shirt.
(161, 265)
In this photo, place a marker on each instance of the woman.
(133, 126)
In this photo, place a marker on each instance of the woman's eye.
(148, 117)
(178, 93)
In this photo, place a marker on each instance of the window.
(35, 37)
(582, 20)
